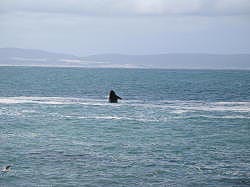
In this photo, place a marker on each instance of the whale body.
(113, 98)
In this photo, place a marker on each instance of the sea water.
(172, 128)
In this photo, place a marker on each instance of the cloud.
(129, 7)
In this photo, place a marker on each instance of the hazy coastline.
(38, 58)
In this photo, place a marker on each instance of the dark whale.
(113, 98)
(6, 169)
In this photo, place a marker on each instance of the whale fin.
(113, 98)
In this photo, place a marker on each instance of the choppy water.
(173, 128)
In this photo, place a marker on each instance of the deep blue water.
(172, 128)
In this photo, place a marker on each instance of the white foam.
(189, 106)
(171, 106)
(226, 117)
(21, 135)
(101, 117)
(48, 100)
(133, 110)
(132, 118)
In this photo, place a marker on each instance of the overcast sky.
(84, 27)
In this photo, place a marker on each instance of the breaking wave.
(175, 105)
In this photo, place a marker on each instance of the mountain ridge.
(33, 57)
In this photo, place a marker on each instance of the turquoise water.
(173, 127)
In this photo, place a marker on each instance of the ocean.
(172, 128)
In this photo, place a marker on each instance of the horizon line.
(126, 54)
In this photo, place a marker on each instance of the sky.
(86, 27)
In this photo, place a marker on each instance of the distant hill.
(28, 57)
(178, 61)
(31, 57)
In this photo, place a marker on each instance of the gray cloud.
(144, 26)
(129, 7)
